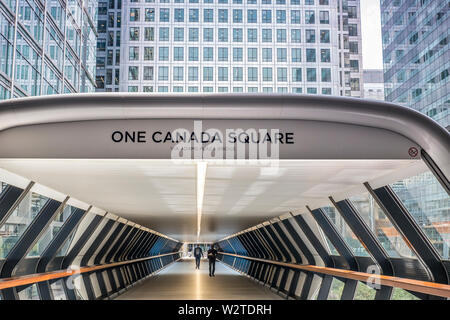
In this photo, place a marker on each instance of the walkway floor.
(182, 281)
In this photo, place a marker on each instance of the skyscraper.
(47, 47)
(299, 46)
(416, 74)
(416, 55)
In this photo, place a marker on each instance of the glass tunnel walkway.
(355, 205)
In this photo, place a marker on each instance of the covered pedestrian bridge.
(305, 197)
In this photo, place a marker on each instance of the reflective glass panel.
(19, 221)
(336, 289)
(29, 293)
(381, 226)
(345, 231)
(400, 294)
(364, 292)
(51, 231)
(429, 204)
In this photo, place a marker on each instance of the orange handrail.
(427, 287)
(39, 277)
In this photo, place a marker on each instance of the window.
(266, 35)
(345, 231)
(325, 55)
(324, 36)
(295, 35)
(223, 54)
(164, 15)
(282, 74)
(252, 16)
(353, 46)
(208, 34)
(296, 74)
(428, 203)
(193, 15)
(193, 73)
(267, 54)
(252, 73)
(326, 74)
(311, 75)
(192, 89)
(133, 73)
(281, 16)
(237, 16)
(134, 33)
(266, 16)
(310, 35)
(149, 34)
(295, 16)
(352, 29)
(134, 14)
(178, 34)
(324, 17)
(252, 35)
(310, 17)
(193, 34)
(208, 73)
(163, 73)
(148, 73)
(51, 232)
(208, 54)
(148, 53)
(133, 54)
(238, 74)
(149, 14)
(178, 15)
(296, 54)
(252, 54)
(178, 54)
(310, 55)
(223, 34)
(193, 53)
(238, 35)
(163, 89)
(164, 34)
(208, 15)
(381, 226)
(309, 2)
(267, 74)
(326, 91)
(238, 54)
(354, 65)
(282, 54)
(354, 84)
(178, 73)
(223, 15)
(223, 73)
(281, 35)
(163, 53)
(352, 12)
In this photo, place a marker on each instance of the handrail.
(432, 288)
(39, 277)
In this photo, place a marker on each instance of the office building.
(47, 47)
(311, 46)
(373, 84)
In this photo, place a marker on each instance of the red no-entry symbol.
(413, 152)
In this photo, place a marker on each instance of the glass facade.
(233, 44)
(47, 47)
(415, 37)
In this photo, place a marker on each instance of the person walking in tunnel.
(212, 253)
(198, 253)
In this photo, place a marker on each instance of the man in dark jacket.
(212, 253)
(198, 253)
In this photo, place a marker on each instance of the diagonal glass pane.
(51, 231)
(381, 226)
(345, 231)
(429, 204)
